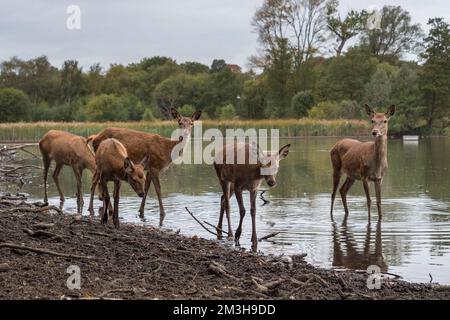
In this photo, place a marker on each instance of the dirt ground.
(38, 244)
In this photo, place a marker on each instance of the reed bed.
(33, 131)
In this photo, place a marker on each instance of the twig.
(219, 269)
(273, 234)
(217, 228)
(261, 196)
(431, 277)
(43, 251)
(192, 215)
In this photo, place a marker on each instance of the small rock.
(4, 267)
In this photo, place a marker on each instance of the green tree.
(377, 91)
(105, 107)
(226, 112)
(218, 65)
(301, 103)
(253, 99)
(14, 105)
(434, 78)
(72, 84)
(194, 68)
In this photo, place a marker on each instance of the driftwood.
(217, 228)
(261, 196)
(200, 223)
(10, 172)
(43, 251)
(271, 235)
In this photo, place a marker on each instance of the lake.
(412, 240)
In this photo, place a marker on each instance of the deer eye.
(385, 121)
(373, 121)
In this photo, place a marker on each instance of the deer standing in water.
(156, 147)
(66, 149)
(113, 164)
(236, 177)
(365, 161)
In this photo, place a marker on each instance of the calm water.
(412, 240)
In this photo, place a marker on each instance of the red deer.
(235, 177)
(158, 149)
(113, 164)
(66, 149)
(365, 161)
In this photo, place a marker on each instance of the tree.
(378, 90)
(14, 105)
(395, 36)
(218, 65)
(95, 79)
(434, 78)
(71, 80)
(105, 107)
(301, 103)
(194, 68)
(344, 30)
(253, 99)
(226, 112)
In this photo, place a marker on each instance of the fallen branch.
(219, 269)
(261, 196)
(43, 251)
(273, 234)
(32, 209)
(217, 228)
(192, 215)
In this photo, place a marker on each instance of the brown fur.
(113, 164)
(365, 161)
(235, 178)
(156, 147)
(66, 149)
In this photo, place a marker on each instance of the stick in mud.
(192, 215)
(271, 235)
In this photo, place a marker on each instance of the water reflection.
(347, 252)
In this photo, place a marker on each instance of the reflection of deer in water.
(351, 257)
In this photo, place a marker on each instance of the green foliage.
(345, 109)
(301, 103)
(187, 110)
(226, 112)
(378, 90)
(148, 115)
(14, 105)
(105, 107)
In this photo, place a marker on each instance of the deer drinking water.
(113, 164)
(365, 161)
(158, 148)
(236, 177)
(66, 149)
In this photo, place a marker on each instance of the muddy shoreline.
(38, 243)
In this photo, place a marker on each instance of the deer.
(114, 164)
(235, 178)
(66, 149)
(365, 161)
(158, 148)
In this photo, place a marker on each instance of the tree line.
(311, 62)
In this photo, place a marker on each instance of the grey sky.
(117, 31)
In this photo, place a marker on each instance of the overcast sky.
(117, 31)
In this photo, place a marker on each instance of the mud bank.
(39, 243)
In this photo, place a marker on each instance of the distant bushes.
(14, 105)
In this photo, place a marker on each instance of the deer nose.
(271, 183)
(374, 132)
(141, 194)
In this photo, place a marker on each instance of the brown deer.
(158, 149)
(113, 164)
(66, 149)
(235, 177)
(365, 161)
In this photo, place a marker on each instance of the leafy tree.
(14, 105)
(71, 80)
(194, 68)
(301, 103)
(378, 90)
(105, 107)
(226, 112)
(434, 78)
(187, 110)
(395, 36)
(218, 65)
(148, 115)
(253, 99)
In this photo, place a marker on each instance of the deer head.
(185, 123)
(380, 121)
(270, 163)
(135, 174)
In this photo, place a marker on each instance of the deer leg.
(162, 213)
(367, 191)
(378, 195)
(77, 174)
(106, 202)
(116, 195)
(343, 191)
(336, 179)
(241, 214)
(47, 162)
(253, 194)
(93, 186)
(219, 224)
(56, 179)
(148, 182)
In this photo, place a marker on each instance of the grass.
(33, 131)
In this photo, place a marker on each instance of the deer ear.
(257, 152)
(128, 165)
(284, 151)
(369, 110)
(196, 115)
(175, 114)
(144, 161)
(391, 111)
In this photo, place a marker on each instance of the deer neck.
(180, 144)
(380, 155)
